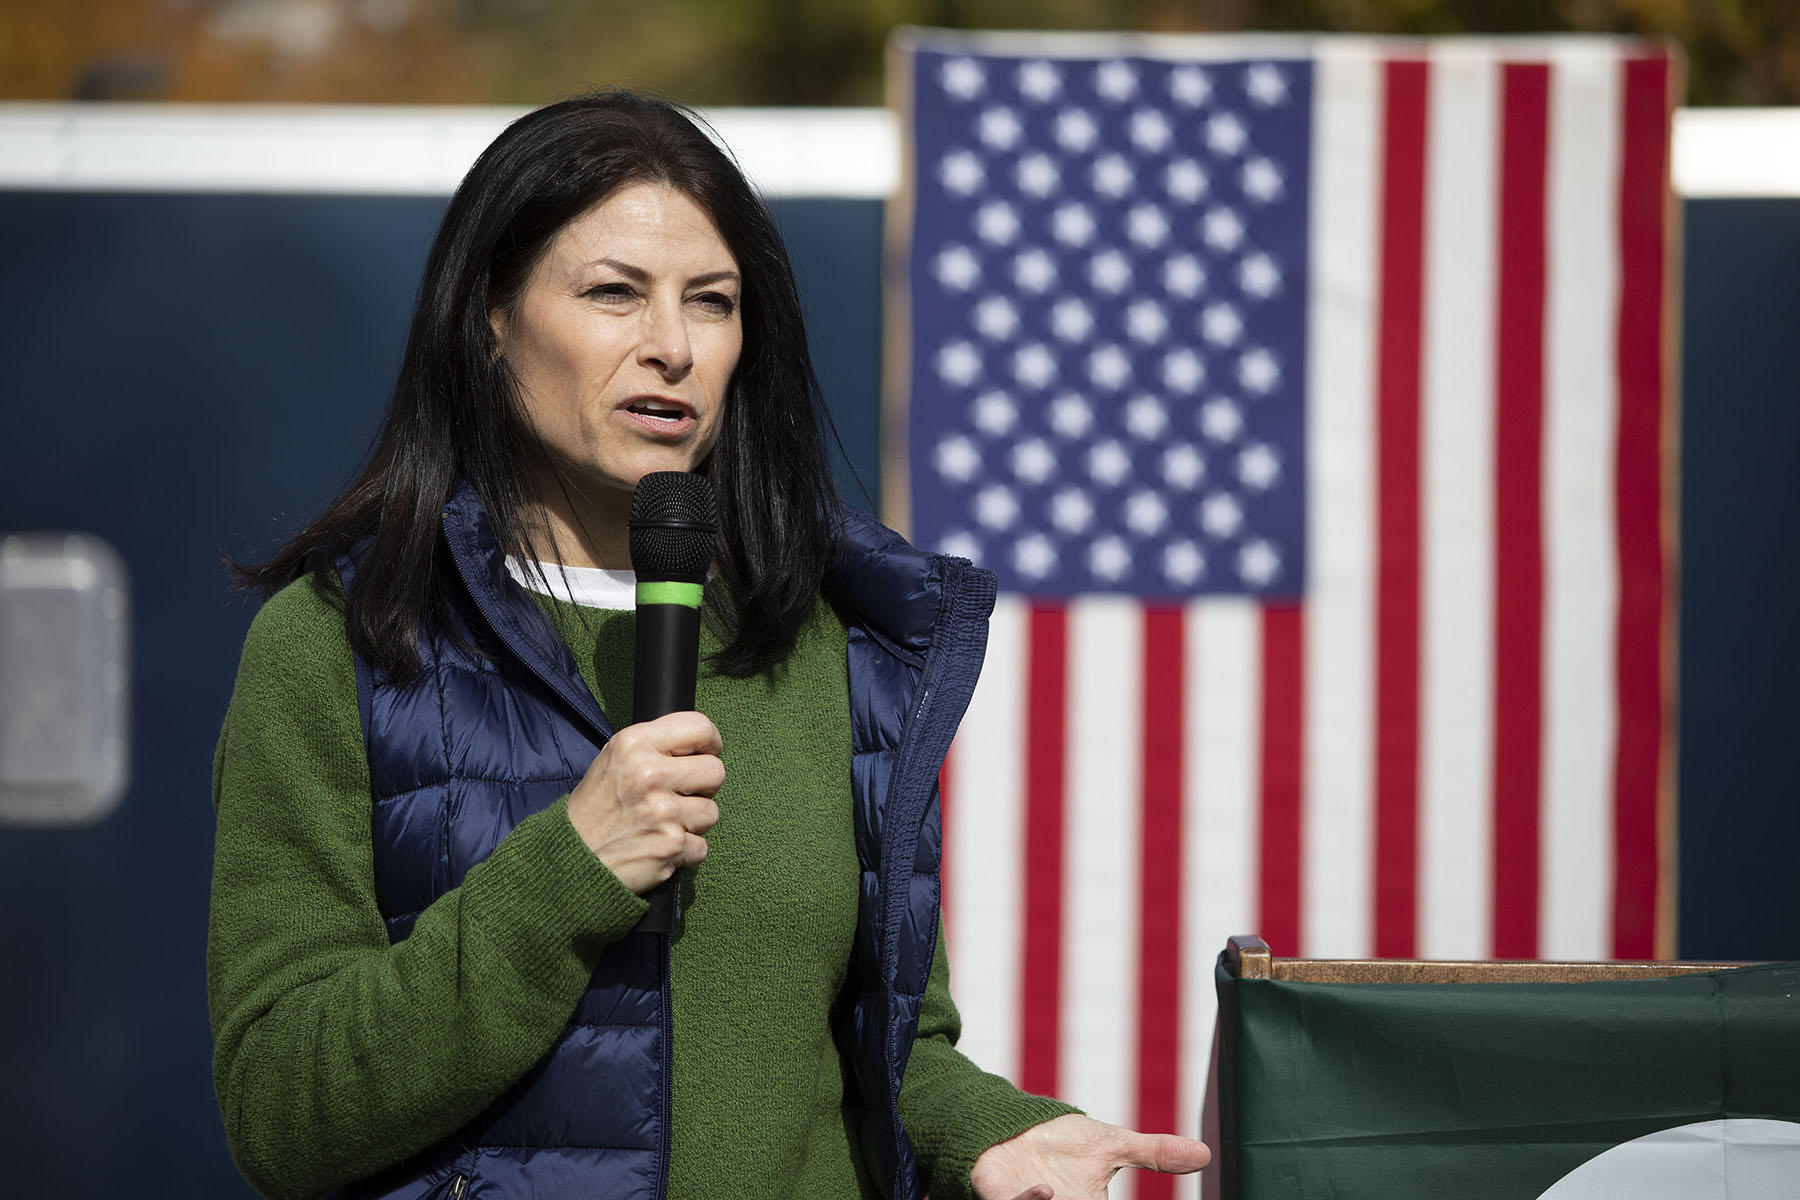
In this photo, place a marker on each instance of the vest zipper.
(458, 1187)
(668, 1067)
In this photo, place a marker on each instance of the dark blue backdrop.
(192, 375)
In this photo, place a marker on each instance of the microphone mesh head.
(673, 522)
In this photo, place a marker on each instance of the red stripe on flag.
(1397, 510)
(1282, 716)
(1642, 229)
(1159, 925)
(1046, 692)
(1518, 507)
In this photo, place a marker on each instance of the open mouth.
(657, 410)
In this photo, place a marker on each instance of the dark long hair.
(456, 414)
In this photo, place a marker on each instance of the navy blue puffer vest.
(462, 755)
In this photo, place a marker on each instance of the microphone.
(672, 525)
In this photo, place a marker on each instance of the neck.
(588, 527)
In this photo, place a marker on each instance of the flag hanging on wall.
(1311, 400)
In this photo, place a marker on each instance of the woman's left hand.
(1073, 1158)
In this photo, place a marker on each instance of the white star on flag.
(1265, 85)
(961, 172)
(959, 364)
(996, 318)
(1034, 271)
(1225, 134)
(1145, 417)
(957, 459)
(1072, 225)
(1039, 80)
(1145, 321)
(1186, 180)
(963, 77)
(1038, 175)
(1108, 463)
(1116, 80)
(1000, 128)
(1071, 321)
(1108, 558)
(996, 506)
(1258, 467)
(1112, 176)
(1076, 130)
(1259, 372)
(1071, 416)
(1220, 324)
(1033, 460)
(1183, 371)
(1145, 513)
(1184, 276)
(1258, 562)
(995, 413)
(1258, 276)
(1034, 366)
(1221, 515)
(1034, 556)
(1149, 130)
(958, 269)
(1071, 511)
(1183, 562)
(1220, 420)
(1261, 180)
(1189, 86)
(1183, 467)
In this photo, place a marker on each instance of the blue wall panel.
(192, 375)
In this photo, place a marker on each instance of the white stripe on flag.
(1457, 485)
(1222, 791)
(1337, 814)
(987, 824)
(1101, 848)
(1580, 577)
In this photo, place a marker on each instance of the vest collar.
(509, 611)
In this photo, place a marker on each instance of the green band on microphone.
(667, 592)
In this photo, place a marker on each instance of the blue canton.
(1108, 276)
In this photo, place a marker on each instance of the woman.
(432, 845)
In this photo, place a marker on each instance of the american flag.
(1310, 398)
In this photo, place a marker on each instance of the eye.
(717, 303)
(610, 291)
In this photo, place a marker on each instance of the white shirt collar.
(590, 587)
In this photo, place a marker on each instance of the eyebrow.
(639, 275)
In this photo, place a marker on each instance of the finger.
(679, 733)
(1169, 1153)
(1041, 1191)
(696, 774)
(699, 814)
(695, 851)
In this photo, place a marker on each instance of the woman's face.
(624, 338)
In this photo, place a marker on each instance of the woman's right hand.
(645, 803)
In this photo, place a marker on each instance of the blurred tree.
(716, 52)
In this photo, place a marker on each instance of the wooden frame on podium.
(1248, 957)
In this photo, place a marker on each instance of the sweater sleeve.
(336, 1053)
(952, 1109)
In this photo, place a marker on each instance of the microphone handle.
(665, 662)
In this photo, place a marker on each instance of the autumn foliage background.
(734, 52)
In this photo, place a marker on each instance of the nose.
(665, 346)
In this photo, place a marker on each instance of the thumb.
(1169, 1153)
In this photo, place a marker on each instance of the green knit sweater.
(338, 1054)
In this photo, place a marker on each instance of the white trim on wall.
(787, 152)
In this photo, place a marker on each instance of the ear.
(498, 323)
